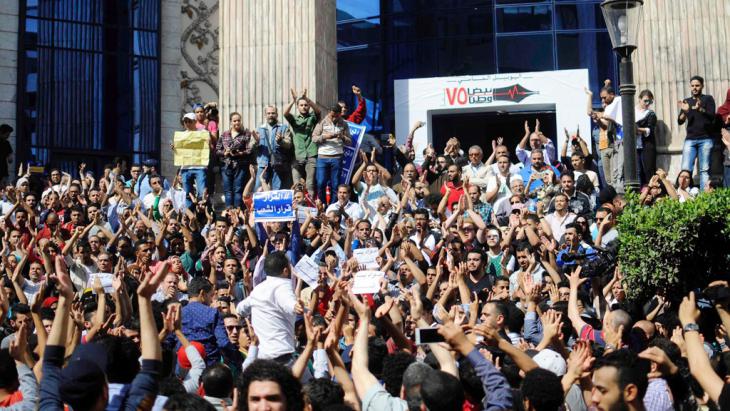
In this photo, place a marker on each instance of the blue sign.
(349, 153)
(273, 206)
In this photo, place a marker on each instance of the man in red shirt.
(360, 112)
(454, 185)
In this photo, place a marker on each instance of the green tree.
(673, 245)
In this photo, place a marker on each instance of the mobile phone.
(428, 336)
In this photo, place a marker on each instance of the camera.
(711, 296)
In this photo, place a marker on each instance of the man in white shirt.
(344, 205)
(475, 170)
(154, 198)
(561, 217)
(498, 184)
(372, 185)
(273, 308)
(501, 150)
(538, 141)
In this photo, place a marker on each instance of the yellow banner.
(191, 148)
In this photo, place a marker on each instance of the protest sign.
(349, 153)
(192, 148)
(308, 270)
(367, 282)
(273, 206)
(366, 257)
(106, 281)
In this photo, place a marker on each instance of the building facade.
(89, 80)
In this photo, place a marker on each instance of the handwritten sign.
(349, 153)
(308, 270)
(273, 206)
(367, 257)
(106, 281)
(367, 282)
(302, 213)
(192, 148)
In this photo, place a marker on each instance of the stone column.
(9, 69)
(270, 46)
(679, 39)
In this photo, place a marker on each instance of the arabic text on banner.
(349, 153)
(191, 148)
(308, 270)
(273, 206)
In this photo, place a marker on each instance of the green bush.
(673, 245)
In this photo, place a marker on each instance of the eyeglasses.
(233, 327)
(467, 228)
(279, 241)
(146, 250)
(515, 202)
(473, 154)
(648, 101)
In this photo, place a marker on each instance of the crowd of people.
(499, 289)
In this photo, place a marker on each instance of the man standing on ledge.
(698, 111)
(331, 135)
(302, 125)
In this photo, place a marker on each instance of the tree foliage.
(673, 245)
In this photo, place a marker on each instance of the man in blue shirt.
(202, 323)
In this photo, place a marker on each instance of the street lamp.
(622, 20)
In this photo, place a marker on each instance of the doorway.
(481, 127)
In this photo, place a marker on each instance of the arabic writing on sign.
(192, 148)
(273, 206)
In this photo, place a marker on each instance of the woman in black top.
(646, 136)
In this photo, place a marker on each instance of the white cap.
(551, 361)
(189, 116)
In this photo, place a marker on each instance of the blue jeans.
(701, 149)
(197, 175)
(278, 177)
(328, 172)
(233, 185)
(726, 177)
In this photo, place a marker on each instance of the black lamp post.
(622, 20)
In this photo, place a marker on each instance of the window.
(579, 16)
(588, 49)
(524, 18)
(88, 81)
(519, 54)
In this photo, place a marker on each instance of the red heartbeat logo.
(512, 93)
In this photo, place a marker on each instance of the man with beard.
(454, 186)
(274, 151)
(422, 236)
(619, 382)
(561, 216)
(578, 202)
(537, 170)
(435, 168)
(477, 280)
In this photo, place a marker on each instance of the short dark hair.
(268, 370)
(187, 402)
(275, 263)
(698, 78)
(323, 392)
(630, 369)
(501, 309)
(523, 246)
(198, 284)
(543, 389)
(217, 381)
(336, 108)
(442, 391)
(394, 365)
